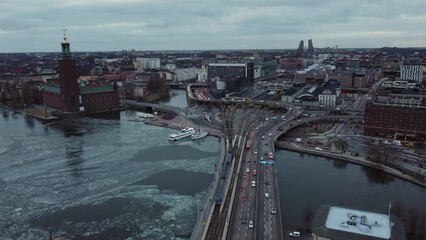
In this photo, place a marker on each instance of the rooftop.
(340, 223)
(359, 222)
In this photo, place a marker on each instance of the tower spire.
(66, 52)
(65, 36)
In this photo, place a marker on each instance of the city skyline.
(111, 25)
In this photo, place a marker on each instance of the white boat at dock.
(182, 134)
(199, 135)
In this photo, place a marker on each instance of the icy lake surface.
(100, 179)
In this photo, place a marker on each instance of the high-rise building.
(411, 69)
(301, 47)
(311, 48)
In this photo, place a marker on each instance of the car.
(255, 151)
(318, 148)
(266, 195)
(244, 176)
(273, 210)
(263, 137)
(270, 134)
(251, 225)
(253, 183)
(247, 170)
(261, 158)
(243, 220)
(294, 234)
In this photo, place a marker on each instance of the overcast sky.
(106, 25)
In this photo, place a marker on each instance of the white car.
(273, 210)
(318, 148)
(266, 195)
(247, 170)
(294, 234)
(270, 134)
(255, 151)
(253, 183)
(251, 225)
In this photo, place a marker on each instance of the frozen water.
(77, 178)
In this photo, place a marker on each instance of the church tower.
(68, 74)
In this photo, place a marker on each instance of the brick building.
(68, 95)
(397, 112)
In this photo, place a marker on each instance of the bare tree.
(414, 221)
(398, 209)
(411, 227)
(308, 215)
(373, 153)
(341, 144)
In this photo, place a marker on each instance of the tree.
(308, 215)
(373, 154)
(341, 144)
(398, 209)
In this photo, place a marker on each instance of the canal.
(307, 180)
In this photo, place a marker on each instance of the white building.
(142, 64)
(327, 98)
(411, 69)
(341, 223)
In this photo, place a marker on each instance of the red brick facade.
(394, 121)
(93, 102)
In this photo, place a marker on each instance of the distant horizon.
(113, 25)
(219, 50)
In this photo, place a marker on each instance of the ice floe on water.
(85, 179)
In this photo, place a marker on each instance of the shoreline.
(351, 159)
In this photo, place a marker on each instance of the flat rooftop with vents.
(336, 222)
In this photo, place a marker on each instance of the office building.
(398, 110)
(311, 48)
(301, 47)
(412, 69)
(229, 70)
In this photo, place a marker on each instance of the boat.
(187, 129)
(145, 115)
(199, 134)
(185, 134)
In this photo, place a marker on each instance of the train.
(218, 198)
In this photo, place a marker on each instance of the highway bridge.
(250, 207)
(243, 201)
(154, 106)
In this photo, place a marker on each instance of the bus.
(248, 144)
(270, 155)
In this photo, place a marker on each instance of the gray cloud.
(189, 24)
